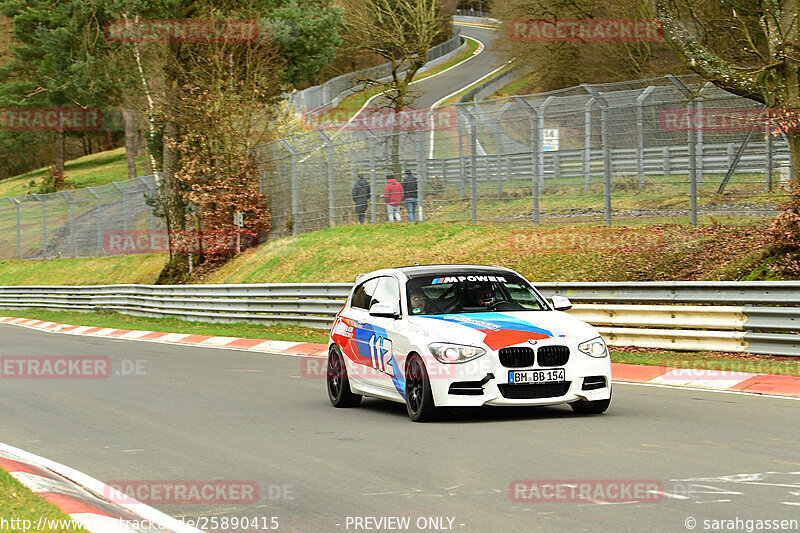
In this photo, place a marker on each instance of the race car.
(438, 336)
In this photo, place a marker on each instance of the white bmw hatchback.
(463, 336)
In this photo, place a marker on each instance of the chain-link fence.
(589, 153)
(113, 219)
(594, 154)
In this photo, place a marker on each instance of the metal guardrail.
(755, 317)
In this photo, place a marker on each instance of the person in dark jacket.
(410, 188)
(361, 194)
(393, 194)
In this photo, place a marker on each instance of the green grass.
(542, 254)
(18, 503)
(246, 330)
(89, 171)
(86, 271)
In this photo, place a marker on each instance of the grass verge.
(22, 508)
(728, 362)
(84, 271)
(283, 332)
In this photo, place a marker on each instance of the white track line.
(438, 102)
(100, 488)
(680, 387)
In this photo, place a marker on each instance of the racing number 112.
(380, 349)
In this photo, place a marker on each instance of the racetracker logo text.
(382, 119)
(51, 119)
(187, 31)
(55, 367)
(182, 492)
(586, 30)
(585, 490)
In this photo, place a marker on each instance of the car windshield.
(471, 293)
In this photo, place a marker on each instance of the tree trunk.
(793, 137)
(59, 156)
(130, 142)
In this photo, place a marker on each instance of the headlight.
(455, 353)
(595, 347)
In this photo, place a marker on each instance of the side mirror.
(561, 303)
(383, 309)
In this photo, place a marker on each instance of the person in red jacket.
(393, 193)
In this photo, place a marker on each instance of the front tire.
(419, 398)
(338, 385)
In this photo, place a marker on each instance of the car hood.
(499, 329)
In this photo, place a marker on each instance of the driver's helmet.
(483, 294)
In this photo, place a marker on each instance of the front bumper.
(484, 381)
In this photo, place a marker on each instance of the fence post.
(71, 223)
(587, 144)
(295, 199)
(44, 223)
(535, 168)
(422, 171)
(99, 221)
(331, 192)
(542, 112)
(690, 98)
(152, 216)
(373, 196)
(461, 162)
(124, 209)
(640, 134)
(768, 160)
(473, 145)
(19, 230)
(606, 151)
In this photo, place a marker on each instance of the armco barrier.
(755, 317)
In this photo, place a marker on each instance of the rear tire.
(338, 385)
(419, 398)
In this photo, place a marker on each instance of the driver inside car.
(483, 295)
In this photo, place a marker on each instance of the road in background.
(202, 414)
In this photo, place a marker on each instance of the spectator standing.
(410, 188)
(393, 193)
(361, 194)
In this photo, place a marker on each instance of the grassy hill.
(648, 252)
(89, 171)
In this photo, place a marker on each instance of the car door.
(383, 336)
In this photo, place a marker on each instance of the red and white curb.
(187, 339)
(77, 495)
(715, 380)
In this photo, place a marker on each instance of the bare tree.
(748, 47)
(400, 32)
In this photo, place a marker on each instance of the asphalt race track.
(210, 414)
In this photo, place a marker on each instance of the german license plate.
(553, 375)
